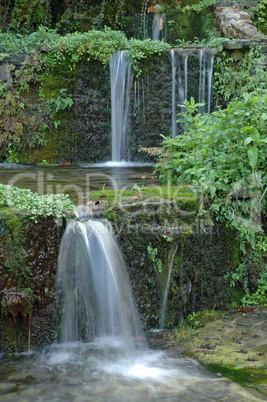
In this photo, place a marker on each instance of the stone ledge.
(245, 44)
(243, 4)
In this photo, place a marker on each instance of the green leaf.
(253, 156)
(255, 134)
(212, 191)
(248, 140)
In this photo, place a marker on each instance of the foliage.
(65, 15)
(233, 78)
(211, 42)
(96, 44)
(183, 332)
(100, 45)
(13, 126)
(29, 14)
(56, 205)
(223, 157)
(201, 317)
(23, 43)
(260, 295)
(259, 15)
(144, 49)
(152, 252)
(195, 5)
(59, 104)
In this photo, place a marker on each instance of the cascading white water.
(210, 71)
(121, 82)
(179, 59)
(206, 59)
(96, 294)
(157, 26)
(166, 286)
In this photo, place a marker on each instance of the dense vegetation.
(56, 205)
(82, 15)
(222, 156)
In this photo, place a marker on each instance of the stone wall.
(200, 253)
(28, 265)
(84, 132)
(233, 21)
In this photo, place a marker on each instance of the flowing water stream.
(75, 180)
(103, 354)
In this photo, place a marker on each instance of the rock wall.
(28, 264)
(200, 253)
(234, 22)
(158, 236)
(84, 132)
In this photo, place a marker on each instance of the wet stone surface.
(235, 345)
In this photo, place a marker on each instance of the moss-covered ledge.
(31, 227)
(159, 227)
(28, 263)
(231, 343)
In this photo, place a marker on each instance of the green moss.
(40, 153)
(202, 317)
(59, 77)
(186, 200)
(15, 257)
(243, 376)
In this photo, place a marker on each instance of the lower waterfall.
(97, 299)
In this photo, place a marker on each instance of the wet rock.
(236, 24)
(17, 59)
(5, 73)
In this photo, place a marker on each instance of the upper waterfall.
(120, 82)
(180, 93)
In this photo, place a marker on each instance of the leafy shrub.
(19, 43)
(57, 205)
(233, 78)
(100, 45)
(223, 157)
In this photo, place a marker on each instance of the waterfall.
(180, 93)
(206, 59)
(96, 294)
(157, 26)
(179, 58)
(165, 285)
(121, 82)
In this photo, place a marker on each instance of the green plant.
(138, 187)
(201, 317)
(57, 205)
(55, 105)
(222, 157)
(41, 39)
(258, 14)
(183, 332)
(260, 295)
(152, 252)
(168, 238)
(234, 77)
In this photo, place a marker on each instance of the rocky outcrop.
(234, 22)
